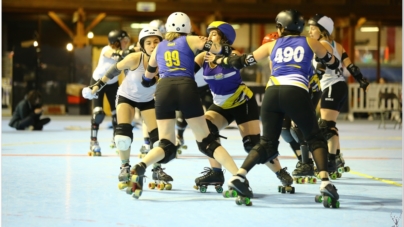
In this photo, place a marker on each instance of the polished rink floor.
(48, 180)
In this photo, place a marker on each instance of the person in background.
(28, 112)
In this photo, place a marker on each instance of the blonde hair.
(170, 36)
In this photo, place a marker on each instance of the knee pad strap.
(212, 127)
(250, 141)
(181, 123)
(208, 145)
(170, 151)
(153, 136)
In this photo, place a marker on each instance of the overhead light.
(35, 43)
(69, 47)
(139, 25)
(235, 26)
(90, 35)
(369, 29)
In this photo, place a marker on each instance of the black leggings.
(110, 91)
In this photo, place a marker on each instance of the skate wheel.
(185, 147)
(333, 176)
(229, 193)
(283, 190)
(135, 178)
(339, 175)
(98, 154)
(335, 205)
(347, 169)
(179, 151)
(318, 198)
(326, 201)
(117, 152)
(279, 189)
(196, 187)
(312, 180)
(152, 185)
(203, 189)
(91, 153)
(219, 189)
(292, 190)
(137, 194)
(122, 185)
(168, 187)
(161, 186)
(129, 190)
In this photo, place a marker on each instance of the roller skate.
(329, 196)
(95, 149)
(332, 169)
(286, 181)
(210, 177)
(304, 172)
(181, 144)
(136, 180)
(340, 162)
(161, 179)
(239, 184)
(144, 150)
(124, 177)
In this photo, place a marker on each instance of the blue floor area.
(48, 180)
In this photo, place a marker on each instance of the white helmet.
(323, 22)
(146, 32)
(158, 24)
(178, 22)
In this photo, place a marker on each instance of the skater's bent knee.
(98, 115)
(250, 141)
(123, 136)
(317, 141)
(170, 150)
(122, 142)
(297, 134)
(328, 128)
(267, 150)
(209, 145)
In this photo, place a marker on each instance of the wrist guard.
(146, 82)
(99, 84)
(117, 56)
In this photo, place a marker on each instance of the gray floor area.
(48, 180)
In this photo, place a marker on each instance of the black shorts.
(334, 96)
(206, 95)
(177, 93)
(246, 112)
(140, 105)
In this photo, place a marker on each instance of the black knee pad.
(317, 141)
(286, 135)
(181, 122)
(212, 127)
(153, 136)
(326, 128)
(170, 150)
(297, 134)
(208, 145)
(250, 141)
(124, 130)
(267, 150)
(98, 115)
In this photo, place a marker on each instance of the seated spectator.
(28, 112)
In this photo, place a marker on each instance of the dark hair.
(32, 96)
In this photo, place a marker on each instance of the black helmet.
(291, 20)
(324, 23)
(116, 35)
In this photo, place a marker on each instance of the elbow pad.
(113, 72)
(207, 45)
(356, 73)
(146, 82)
(334, 65)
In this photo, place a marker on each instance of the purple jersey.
(291, 62)
(175, 58)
